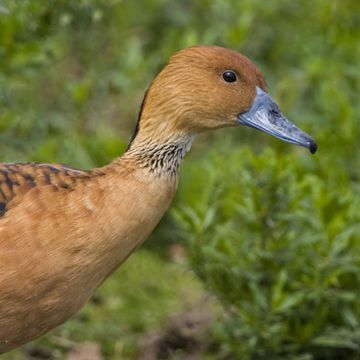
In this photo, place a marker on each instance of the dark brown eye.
(229, 76)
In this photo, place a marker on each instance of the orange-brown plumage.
(63, 231)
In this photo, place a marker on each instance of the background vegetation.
(271, 231)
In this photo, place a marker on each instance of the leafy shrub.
(280, 247)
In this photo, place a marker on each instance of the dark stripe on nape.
(136, 130)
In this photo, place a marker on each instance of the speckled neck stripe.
(160, 159)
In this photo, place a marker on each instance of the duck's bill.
(266, 116)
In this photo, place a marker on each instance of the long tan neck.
(137, 189)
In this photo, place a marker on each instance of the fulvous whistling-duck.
(63, 231)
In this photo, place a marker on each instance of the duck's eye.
(229, 76)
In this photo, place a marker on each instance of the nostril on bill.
(275, 112)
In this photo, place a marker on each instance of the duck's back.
(17, 179)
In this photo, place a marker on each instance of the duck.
(63, 231)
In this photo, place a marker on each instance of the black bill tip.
(266, 116)
(313, 147)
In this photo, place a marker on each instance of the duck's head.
(209, 87)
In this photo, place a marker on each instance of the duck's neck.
(160, 157)
(148, 177)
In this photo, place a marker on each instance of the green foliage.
(276, 236)
(279, 245)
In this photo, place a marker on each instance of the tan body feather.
(49, 248)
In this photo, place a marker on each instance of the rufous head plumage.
(209, 87)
